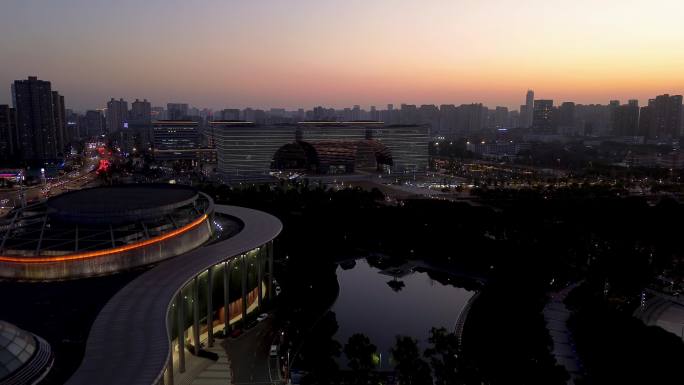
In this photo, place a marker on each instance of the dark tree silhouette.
(360, 353)
(443, 356)
(411, 368)
(523, 243)
(320, 355)
(396, 284)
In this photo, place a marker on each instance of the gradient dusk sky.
(298, 53)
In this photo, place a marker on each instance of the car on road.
(262, 317)
(277, 290)
(274, 351)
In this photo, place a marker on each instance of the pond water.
(367, 304)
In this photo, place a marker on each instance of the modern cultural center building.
(248, 150)
(207, 267)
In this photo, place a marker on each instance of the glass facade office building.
(246, 150)
(175, 140)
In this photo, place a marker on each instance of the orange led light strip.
(101, 253)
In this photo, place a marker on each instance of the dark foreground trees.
(443, 356)
(410, 367)
(523, 243)
(360, 353)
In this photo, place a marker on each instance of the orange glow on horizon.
(372, 52)
(101, 253)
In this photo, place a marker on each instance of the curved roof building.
(118, 204)
(147, 330)
(246, 150)
(102, 231)
(209, 267)
(322, 156)
(24, 357)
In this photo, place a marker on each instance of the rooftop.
(101, 219)
(137, 349)
(24, 358)
(117, 204)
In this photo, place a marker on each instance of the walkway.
(251, 363)
(203, 371)
(664, 311)
(129, 340)
(556, 315)
(460, 323)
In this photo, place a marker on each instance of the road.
(556, 316)
(249, 356)
(10, 198)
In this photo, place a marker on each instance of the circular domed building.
(207, 269)
(24, 357)
(103, 230)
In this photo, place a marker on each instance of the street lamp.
(287, 367)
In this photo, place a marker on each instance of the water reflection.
(403, 302)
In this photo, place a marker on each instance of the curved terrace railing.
(130, 340)
(81, 264)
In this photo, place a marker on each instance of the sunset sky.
(296, 53)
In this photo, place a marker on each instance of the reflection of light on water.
(367, 304)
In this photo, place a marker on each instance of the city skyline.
(363, 107)
(341, 192)
(295, 55)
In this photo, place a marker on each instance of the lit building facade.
(247, 150)
(208, 268)
(102, 231)
(175, 140)
(184, 302)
